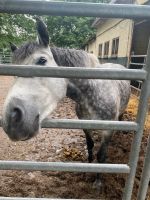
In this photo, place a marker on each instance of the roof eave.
(99, 22)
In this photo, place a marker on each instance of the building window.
(115, 47)
(106, 49)
(100, 50)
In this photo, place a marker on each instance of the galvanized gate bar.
(88, 124)
(141, 116)
(74, 9)
(62, 166)
(145, 175)
(72, 72)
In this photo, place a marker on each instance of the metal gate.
(92, 10)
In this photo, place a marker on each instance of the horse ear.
(42, 32)
(13, 47)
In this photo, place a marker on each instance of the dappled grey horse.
(30, 100)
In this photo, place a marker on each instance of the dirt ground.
(65, 145)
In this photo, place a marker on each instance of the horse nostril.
(16, 115)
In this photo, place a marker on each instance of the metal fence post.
(142, 110)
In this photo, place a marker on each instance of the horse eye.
(41, 61)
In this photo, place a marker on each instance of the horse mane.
(70, 57)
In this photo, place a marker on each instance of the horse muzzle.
(20, 119)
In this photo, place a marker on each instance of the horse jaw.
(58, 89)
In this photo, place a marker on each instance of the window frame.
(106, 49)
(115, 47)
(100, 50)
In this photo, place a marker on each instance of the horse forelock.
(24, 51)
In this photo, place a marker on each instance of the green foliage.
(15, 28)
(69, 31)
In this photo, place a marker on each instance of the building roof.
(99, 21)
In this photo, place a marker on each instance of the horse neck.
(76, 88)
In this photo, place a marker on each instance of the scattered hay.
(131, 113)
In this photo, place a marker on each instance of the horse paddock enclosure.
(55, 149)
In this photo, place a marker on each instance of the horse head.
(30, 100)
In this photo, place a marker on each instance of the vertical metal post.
(145, 175)
(141, 115)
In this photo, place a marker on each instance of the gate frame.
(93, 10)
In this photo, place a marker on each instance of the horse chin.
(21, 135)
(27, 137)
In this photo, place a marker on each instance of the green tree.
(15, 28)
(69, 31)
